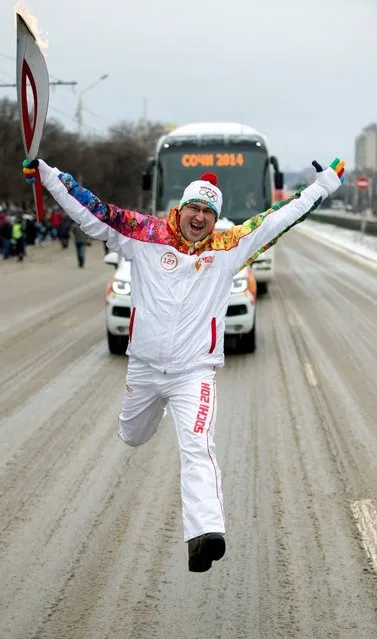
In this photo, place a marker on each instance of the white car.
(264, 269)
(118, 304)
(240, 316)
(239, 321)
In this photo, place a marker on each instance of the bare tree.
(110, 165)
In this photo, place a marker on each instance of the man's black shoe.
(204, 550)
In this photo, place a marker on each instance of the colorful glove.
(29, 170)
(332, 178)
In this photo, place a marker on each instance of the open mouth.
(196, 227)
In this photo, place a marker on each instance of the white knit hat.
(204, 190)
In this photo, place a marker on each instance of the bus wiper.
(161, 174)
(266, 168)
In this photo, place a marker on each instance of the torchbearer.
(182, 271)
(31, 66)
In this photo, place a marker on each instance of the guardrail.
(353, 221)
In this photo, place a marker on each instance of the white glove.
(332, 178)
(46, 172)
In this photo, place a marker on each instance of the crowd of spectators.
(20, 229)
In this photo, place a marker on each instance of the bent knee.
(130, 441)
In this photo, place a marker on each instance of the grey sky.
(303, 72)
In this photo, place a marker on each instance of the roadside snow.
(355, 242)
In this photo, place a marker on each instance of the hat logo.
(204, 191)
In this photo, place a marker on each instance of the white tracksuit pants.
(191, 397)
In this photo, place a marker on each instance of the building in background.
(366, 149)
(366, 165)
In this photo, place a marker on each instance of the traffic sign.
(362, 183)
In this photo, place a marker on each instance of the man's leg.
(7, 249)
(20, 249)
(142, 406)
(77, 248)
(193, 404)
(80, 254)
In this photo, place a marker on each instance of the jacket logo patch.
(205, 262)
(169, 261)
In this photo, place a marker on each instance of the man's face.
(196, 221)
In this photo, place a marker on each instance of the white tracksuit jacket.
(180, 290)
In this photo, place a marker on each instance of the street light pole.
(79, 110)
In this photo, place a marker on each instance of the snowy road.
(91, 535)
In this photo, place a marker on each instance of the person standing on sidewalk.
(6, 233)
(19, 238)
(81, 242)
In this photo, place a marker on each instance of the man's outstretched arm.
(260, 232)
(101, 221)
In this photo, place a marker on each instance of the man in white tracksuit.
(182, 273)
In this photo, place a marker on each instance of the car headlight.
(121, 288)
(239, 285)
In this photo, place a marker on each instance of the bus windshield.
(242, 171)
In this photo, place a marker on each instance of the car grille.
(121, 311)
(236, 309)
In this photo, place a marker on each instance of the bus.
(248, 176)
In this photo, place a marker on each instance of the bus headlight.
(239, 285)
(121, 288)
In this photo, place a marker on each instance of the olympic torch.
(32, 68)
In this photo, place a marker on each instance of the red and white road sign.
(362, 183)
